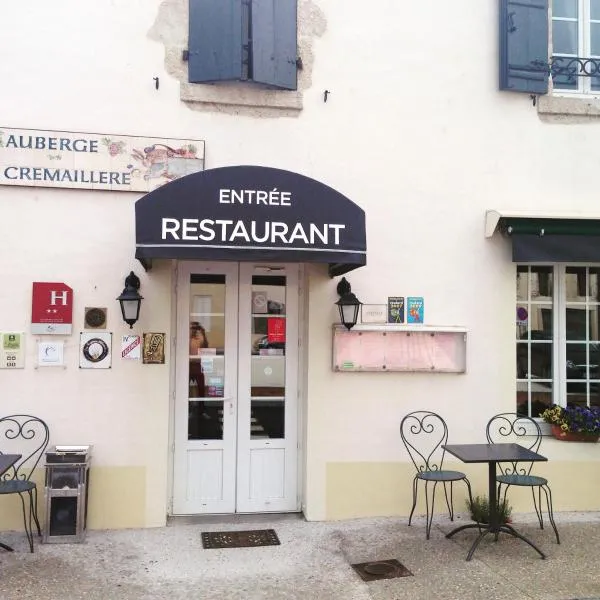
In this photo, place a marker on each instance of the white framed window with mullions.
(557, 336)
(575, 43)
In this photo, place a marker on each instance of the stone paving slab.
(312, 563)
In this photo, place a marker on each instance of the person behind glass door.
(198, 340)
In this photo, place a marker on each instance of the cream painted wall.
(414, 131)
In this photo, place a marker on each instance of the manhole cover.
(381, 569)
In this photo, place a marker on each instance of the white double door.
(236, 399)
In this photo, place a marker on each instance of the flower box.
(573, 436)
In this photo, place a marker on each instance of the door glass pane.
(564, 37)
(206, 357)
(267, 378)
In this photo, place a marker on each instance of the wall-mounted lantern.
(348, 304)
(130, 300)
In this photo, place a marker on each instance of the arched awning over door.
(250, 213)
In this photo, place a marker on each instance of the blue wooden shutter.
(274, 43)
(215, 40)
(524, 46)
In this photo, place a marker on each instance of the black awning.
(550, 239)
(250, 213)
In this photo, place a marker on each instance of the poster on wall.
(154, 349)
(95, 350)
(276, 330)
(414, 309)
(395, 313)
(12, 351)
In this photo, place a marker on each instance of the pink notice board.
(429, 351)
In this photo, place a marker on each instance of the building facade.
(240, 158)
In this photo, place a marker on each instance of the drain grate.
(381, 569)
(239, 539)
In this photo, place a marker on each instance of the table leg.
(494, 526)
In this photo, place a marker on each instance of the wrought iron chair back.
(512, 427)
(423, 434)
(26, 435)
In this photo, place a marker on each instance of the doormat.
(239, 539)
(381, 569)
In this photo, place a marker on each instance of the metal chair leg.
(415, 488)
(538, 507)
(28, 531)
(449, 504)
(468, 483)
(550, 510)
(34, 511)
(428, 513)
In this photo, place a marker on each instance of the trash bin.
(67, 483)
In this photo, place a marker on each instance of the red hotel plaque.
(52, 308)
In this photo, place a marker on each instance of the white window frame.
(559, 327)
(584, 21)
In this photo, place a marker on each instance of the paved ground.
(312, 562)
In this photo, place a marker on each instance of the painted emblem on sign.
(160, 160)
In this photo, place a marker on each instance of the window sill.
(571, 109)
(240, 95)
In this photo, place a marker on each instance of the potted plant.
(480, 510)
(573, 423)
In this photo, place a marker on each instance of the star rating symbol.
(51, 310)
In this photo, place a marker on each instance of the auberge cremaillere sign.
(94, 161)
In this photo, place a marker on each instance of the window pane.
(595, 9)
(576, 361)
(564, 37)
(541, 361)
(575, 284)
(576, 328)
(522, 283)
(565, 80)
(541, 398)
(594, 326)
(595, 39)
(540, 321)
(522, 322)
(594, 276)
(565, 8)
(542, 282)
(522, 360)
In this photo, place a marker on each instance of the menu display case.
(418, 348)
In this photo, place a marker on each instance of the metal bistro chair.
(26, 435)
(424, 433)
(525, 431)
